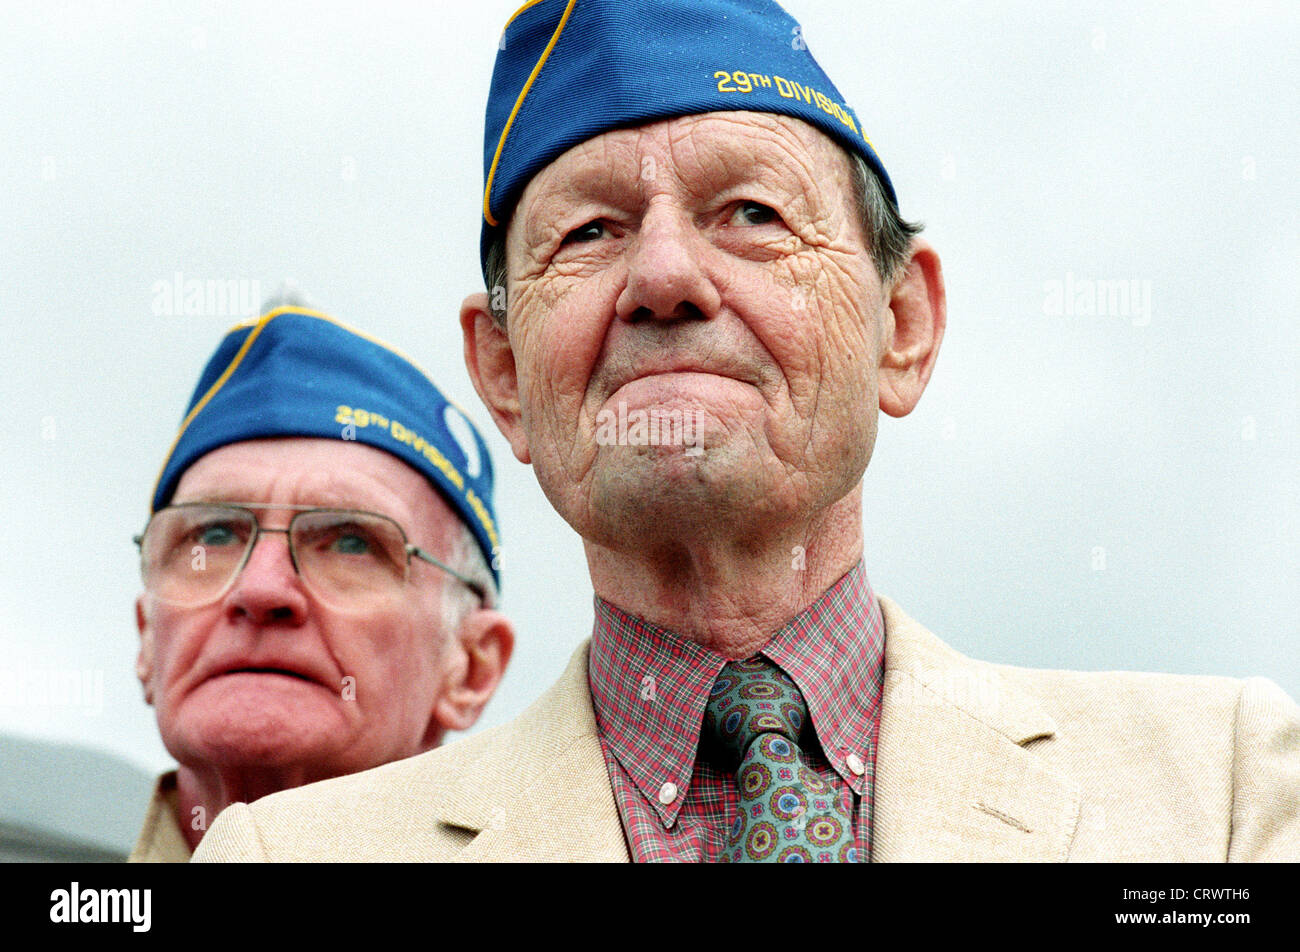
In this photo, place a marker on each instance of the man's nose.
(667, 270)
(268, 591)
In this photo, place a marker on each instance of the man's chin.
(257, 729)
(276, 749)
(641, 491)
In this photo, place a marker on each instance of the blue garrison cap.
(295, 372)
(569, 70)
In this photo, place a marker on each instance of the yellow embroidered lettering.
(440, 461)
(481, 511)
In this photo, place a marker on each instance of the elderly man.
(683, 220)
(318, 570)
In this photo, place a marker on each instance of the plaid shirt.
(649, 688)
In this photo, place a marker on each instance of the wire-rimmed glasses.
(191, 553)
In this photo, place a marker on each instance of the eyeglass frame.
(252, 509)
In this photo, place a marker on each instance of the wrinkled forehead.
(316, 472)
(701, 155)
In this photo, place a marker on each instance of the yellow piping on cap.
(492, 170)
(514, 16)
(258, 325)
(212, 392)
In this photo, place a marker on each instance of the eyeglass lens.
(190, 555)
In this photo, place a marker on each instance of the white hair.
(458, 599)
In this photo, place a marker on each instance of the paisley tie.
(786, 813)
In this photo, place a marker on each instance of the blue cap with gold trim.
(569, 70)
(295, 372)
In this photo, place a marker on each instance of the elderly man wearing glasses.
(319, 573)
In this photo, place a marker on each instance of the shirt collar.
(649, 686)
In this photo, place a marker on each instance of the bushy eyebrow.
(326, 499)
(602, 188)
(220, 498)
(610, 182)
(786, 173)
(605, 185)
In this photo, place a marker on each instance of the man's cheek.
(811, 350)
(553, 388)
(538, 296)
(178, 656)
(537, 399)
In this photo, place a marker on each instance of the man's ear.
(144, 660)
(491, 366)
(910, 344)
(478, 655)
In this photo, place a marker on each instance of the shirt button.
(668, 793)
(854, 763)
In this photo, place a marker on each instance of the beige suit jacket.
(161, 839)
(975, 762)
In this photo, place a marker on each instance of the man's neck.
(205, 792)
(727, 593)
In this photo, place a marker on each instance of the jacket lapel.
(541, 791)
(567, 814)
(957, 777)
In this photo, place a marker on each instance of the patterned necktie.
(786, 812)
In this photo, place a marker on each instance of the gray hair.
(889, 236)
(458, 599)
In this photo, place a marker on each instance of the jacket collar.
(162, 840)
(540, 791)
(958, 776)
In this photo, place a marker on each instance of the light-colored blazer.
(975, 762)
(161, 839)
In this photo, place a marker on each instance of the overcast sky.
(1114, 489)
